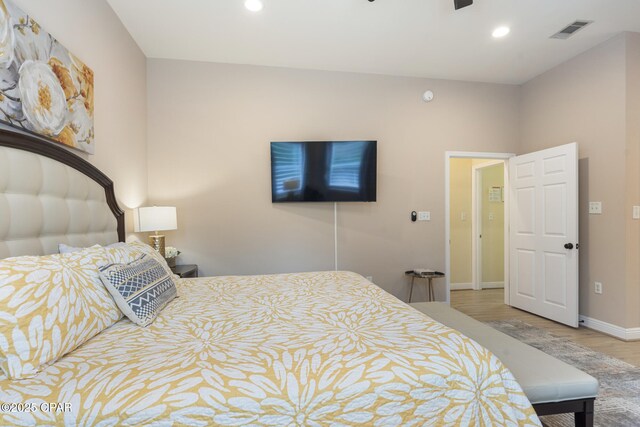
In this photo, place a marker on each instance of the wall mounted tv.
(323, 171)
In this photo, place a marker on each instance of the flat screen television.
(323, 171)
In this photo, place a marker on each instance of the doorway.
(540, 230)
(487, 223)
(476, 221)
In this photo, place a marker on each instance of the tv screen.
(323, 171)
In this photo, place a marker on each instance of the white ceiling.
(424, 38)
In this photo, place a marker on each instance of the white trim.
(447, 231)
(448, 155)
(626, 334)
(506, 192)
(633, 334)
(483, 285)
(461, 286)
(492, 285)
(477, 155)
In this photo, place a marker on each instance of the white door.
(543, 261)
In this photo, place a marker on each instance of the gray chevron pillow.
(141, 289)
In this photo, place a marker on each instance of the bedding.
(49, 305)
(326, 348)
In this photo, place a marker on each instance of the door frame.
(448, 155)
(476, 219)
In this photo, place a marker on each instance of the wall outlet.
(424, 216)
(636, 212)
(598, 287)
(595, 208)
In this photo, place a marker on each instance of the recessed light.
(500, 32)
(253, 5)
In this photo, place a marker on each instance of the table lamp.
(155, 218)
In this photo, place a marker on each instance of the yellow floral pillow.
(50, 305)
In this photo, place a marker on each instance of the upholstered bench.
(552, 386)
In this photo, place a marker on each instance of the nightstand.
(187, 270)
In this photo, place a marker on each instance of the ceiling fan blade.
(459, 4)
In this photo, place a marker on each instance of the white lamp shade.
(155, 218)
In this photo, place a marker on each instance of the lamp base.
(157, 242)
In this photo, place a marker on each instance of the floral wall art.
(44, 88)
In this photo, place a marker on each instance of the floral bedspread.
(312, 349)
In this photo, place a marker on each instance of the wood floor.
(489, 305)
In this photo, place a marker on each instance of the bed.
(318, 348)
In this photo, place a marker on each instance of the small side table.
(424, 275)
(186, 270)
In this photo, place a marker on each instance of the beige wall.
(93, 32)
(209, 131)
(583, 100)
(492, 226)
(210, 124)
(461, 233)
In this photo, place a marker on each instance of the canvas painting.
(44, 88)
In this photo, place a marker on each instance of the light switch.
(636, 212)
(424, 216)
(595, 208)
(491, 216)
(463, 216)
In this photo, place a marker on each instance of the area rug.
(618, 402)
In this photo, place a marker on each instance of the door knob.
(568, 245)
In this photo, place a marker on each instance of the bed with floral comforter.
(312, 349)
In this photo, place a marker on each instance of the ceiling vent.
(570, 30)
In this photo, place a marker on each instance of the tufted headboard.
(49, 195)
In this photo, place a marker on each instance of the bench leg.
(411, 292)
(585, 418)
(582, 409)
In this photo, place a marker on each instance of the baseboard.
(625, 334)
(492, 285)
(633, 334)
(485, 285)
